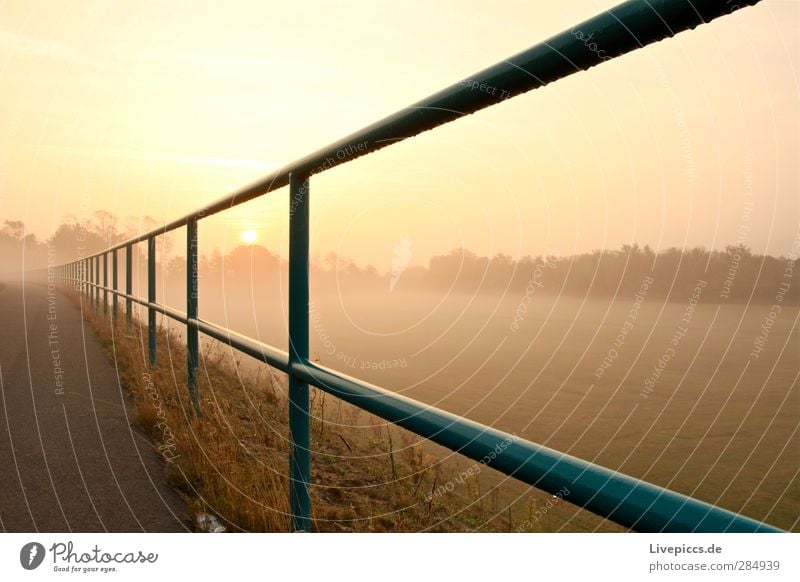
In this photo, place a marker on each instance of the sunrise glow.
(249, 236)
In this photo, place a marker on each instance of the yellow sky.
(153, 108)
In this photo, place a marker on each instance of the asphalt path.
(71, 456)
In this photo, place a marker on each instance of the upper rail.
(619, 30)
(628, 501)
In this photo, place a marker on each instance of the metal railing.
(633, 503)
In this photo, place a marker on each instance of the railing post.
(151, 298)
(105, 284)
(192, 340)
(128, 287)
(96, 283)
(114, 299)
(300, 456)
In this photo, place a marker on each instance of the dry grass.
(233, 461)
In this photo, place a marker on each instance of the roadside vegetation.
(368, 475)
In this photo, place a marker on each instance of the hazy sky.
(153, 108)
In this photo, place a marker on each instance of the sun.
(249, 236)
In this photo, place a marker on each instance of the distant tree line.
(71, 240)
(734, 274)
(731, 275)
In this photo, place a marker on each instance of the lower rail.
(626, 500)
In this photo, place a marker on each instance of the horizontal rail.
(260, 351)
(273, 356)
(637, 504)
(621, 29)
(630, 502)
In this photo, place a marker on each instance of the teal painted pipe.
(619, 30)
(151, 298)
(299, 422)
(105, 283)
(192, 341)
(630, 502)
(623, 499)
(114, 299)
(128, 286)
(97, 282)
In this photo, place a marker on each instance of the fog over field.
(680, 367)
(696, 395)
(544, 279)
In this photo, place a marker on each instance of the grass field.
(673, 393)
(232, 463)
(680, 398)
